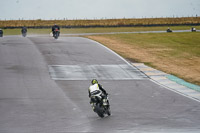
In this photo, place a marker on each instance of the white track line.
(185, 95)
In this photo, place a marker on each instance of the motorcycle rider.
(193, 29)
(24, 30)
(96, 89)
(1, 33)
(169, 30)
(54, 28)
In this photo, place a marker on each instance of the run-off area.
(100, 72)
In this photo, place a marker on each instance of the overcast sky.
(97, 9)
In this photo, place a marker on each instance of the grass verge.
(173, 53)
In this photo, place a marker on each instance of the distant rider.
(1, 33)
(193, 29)
(24, 30)
(54, 29)
(169, 30)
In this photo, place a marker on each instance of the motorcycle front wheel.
(108, 112)
(100, 115)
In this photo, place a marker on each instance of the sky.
(96, 9)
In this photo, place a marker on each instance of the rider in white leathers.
(96, 90)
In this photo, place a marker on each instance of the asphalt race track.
(44, 89)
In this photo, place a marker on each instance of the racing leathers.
(96, 90)
(54, 29)
(24, 30)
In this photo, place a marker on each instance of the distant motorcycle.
(100, 105)
(56, 33)
(24, 31)
(1, 33)
(193, 29)
(169, 30)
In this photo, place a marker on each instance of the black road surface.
(44, 82)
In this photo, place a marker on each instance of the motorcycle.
(100, 105)
(24, 31)
(193, 29)
(56, 33)
(1, 33)
(169, 30)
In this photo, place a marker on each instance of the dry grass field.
(101, 22)
(173, 53)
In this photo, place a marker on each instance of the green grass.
(176, 44)
(179, 42)
(11, 31)
(173, 53)
(124, 29)
(30, 31)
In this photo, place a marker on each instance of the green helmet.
(94, 81)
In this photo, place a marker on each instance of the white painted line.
(196, 95)
(187, 91)
(147, 69)
(178, 92)
(177, 86)
(167, 82)
(88, 72)
(138, 64)
(111, 51)
(141, 65)
(154, 73)
(158, 78)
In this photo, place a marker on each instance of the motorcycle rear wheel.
(100, 115)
